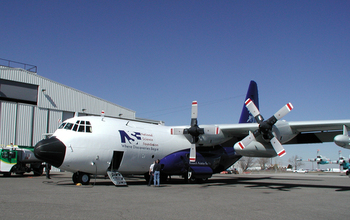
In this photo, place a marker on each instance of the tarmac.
(224, 196)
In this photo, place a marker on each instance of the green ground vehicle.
(19, 160)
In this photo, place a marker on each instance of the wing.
(316, 131)
(303, 131)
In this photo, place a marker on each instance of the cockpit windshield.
(79, 126)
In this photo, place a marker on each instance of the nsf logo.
(129, 137)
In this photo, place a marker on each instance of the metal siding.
(24, 125)
(7, 123)
(62, 101)
(54, 120)
(60, 97)
(40, 124)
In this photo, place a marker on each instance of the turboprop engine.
(266, 141)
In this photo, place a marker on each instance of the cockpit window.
(79, 126)
(75, 127)
(62, 125)
(88, 127)
(68, 126)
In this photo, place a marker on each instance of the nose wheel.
(82, 178)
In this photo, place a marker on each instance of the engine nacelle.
(342, 141)
(283, 131)
(256, 149)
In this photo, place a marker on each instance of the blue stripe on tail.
(252, 93)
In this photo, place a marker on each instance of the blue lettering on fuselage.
(125, 137)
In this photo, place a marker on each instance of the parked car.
(300, 171)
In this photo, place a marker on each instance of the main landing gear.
(82, 178)
(190, 178)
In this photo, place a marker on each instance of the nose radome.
(51, 151)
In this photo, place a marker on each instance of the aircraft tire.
(7, 174)
(75, 178)
(84, 178)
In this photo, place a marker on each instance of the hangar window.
(18, 92)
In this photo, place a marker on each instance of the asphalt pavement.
(225, 196)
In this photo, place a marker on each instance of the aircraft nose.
(51, 151)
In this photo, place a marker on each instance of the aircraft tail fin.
(252, 93)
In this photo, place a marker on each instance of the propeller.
(265, 127)
(195, 131)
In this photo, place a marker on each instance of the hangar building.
(32, 106)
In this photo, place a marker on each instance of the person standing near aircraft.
(151, 173)
(47, 170)
(156, 170)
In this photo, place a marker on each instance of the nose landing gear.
(82, 178)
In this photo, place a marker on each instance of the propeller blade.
(176, 131)
(193, 153)
(194, 112)
(246, 141)
(283, 111)
(254, 110)
(278, 147)
(212, 130)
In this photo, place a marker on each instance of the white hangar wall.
(24, 122)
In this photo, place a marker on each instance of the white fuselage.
(142, 143)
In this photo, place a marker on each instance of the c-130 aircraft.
(94, 145)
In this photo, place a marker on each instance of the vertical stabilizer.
(252, 93)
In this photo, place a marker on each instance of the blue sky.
(156, 57)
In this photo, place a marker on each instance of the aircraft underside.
(210, 160)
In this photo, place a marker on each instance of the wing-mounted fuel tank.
(343, 140)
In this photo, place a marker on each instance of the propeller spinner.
(265, 127)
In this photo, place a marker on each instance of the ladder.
(116, 178)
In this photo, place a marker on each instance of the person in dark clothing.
(151, 174)
(47, 170)
(156, 170)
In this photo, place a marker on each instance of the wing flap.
(313, 138)
(318, 126)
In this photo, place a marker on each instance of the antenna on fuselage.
(103, 115)
(76, 114)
